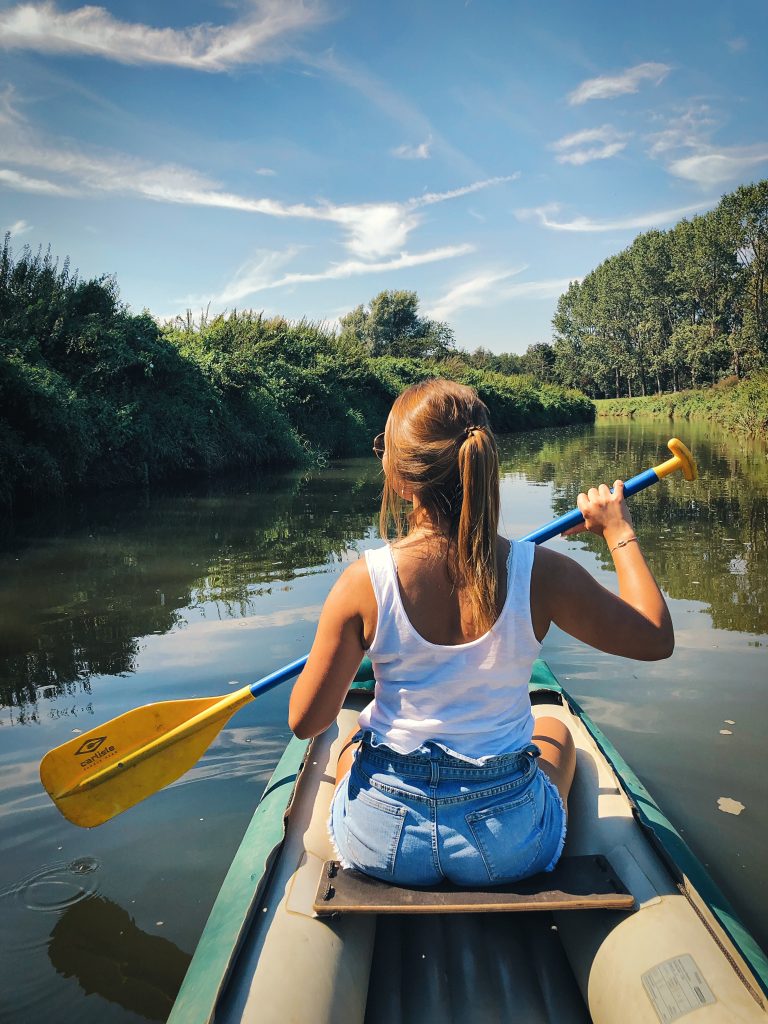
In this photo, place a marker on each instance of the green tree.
(391, 326)
(681, 307)
(707, 279)
(539, 361)
(747, 209)
(573, 331)
(508, 363)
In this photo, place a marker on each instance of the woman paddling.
(448, 776)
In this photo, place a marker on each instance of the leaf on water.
(730, 806)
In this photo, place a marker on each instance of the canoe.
(678, 951)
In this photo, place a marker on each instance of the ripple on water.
(58, 886)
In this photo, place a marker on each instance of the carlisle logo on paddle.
(90, 746)
(94, 747)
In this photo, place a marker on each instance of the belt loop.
(434, 767)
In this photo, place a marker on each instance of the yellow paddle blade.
(105, 771)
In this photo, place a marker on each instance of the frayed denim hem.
(329, 827)
(564, 828)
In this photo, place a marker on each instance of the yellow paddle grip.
(682, 459)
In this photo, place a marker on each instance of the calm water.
(130, 599)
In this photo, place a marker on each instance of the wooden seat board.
(577, 883)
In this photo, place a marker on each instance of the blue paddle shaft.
(557, 526)
(280, 676)
(574, 517)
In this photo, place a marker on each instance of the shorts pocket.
(372, 829)
(508, 837)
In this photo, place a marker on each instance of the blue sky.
(299, 156)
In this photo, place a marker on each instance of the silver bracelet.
(623, 543)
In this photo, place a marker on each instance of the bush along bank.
(737, 405)
(91, 394)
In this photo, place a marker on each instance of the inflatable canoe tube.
(680, 952)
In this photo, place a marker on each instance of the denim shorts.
(426, 817)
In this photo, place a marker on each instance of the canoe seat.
(577, 883)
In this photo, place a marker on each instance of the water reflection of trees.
(98, 943)
(77, 605)
(706, 540)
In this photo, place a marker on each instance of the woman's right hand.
(634, 624)
(605, 513)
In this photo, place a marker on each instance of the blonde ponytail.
(439, 445)
(478, 524)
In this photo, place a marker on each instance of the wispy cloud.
(737, 45)
(489, 289)
(40, 186)
(420, 152)
(371, 230)
(590, 144)
(710, 166)
(9, 115)
(428, 198)
(473, 291)
(20, 227)
(258, 275)
(686, 148)
(94, 31)
(605, 87)
(688, 128)
(377, 229)
(374, 229)
(636, 222)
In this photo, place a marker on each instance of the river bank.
(741, 406)
(94, 396)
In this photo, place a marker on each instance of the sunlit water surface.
(123, 600)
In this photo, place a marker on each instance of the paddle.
(106, 770)
(681, 459)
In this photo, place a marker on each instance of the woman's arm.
(336, 653)
(634, 624)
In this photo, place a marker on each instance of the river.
(113, 601)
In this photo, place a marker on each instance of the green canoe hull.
(216, 969)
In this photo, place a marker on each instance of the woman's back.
(470, 696)
(440, 611)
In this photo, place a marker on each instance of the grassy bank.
(737, 405)
(93, 395)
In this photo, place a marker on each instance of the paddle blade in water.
(105, 771)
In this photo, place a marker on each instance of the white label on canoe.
(676, 987)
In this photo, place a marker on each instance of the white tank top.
(472, 699)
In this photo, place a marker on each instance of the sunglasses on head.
(378, 446)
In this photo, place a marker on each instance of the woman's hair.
(438, 442)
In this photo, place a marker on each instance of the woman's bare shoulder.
(354, 577)
(556, 571)
(352, 593)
